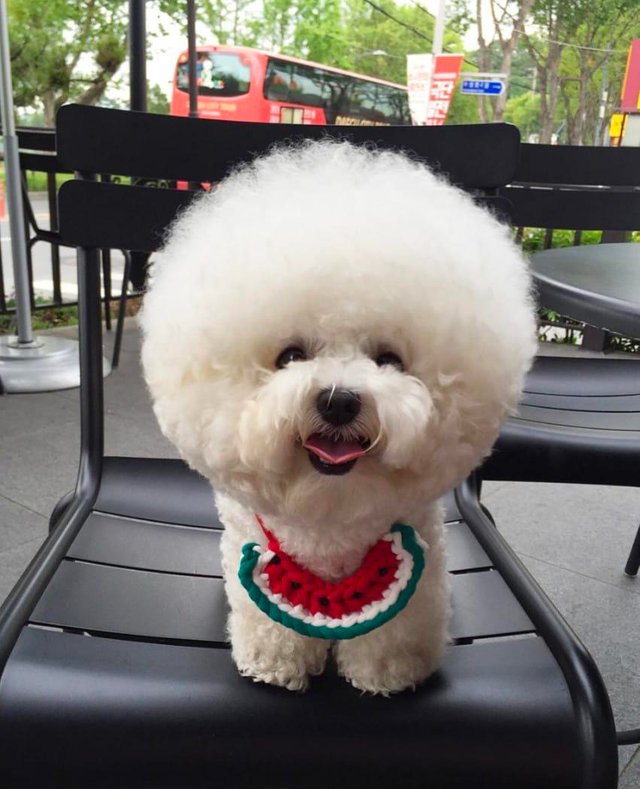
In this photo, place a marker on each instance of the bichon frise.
(333, 338)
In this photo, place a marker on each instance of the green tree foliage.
(64, 49)
(576, 48)
(579, 46)
(157, 101)
(570, 54)
(523, 110)
(592, 72)
(309, 28)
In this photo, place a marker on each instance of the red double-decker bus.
(238, 83)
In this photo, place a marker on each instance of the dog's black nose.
(338, 406)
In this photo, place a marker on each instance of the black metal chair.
(579, 418)
(37, 149)
(115, 667)
(37, 152)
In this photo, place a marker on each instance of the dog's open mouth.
(334, 455)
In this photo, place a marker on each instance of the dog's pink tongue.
(334, 452)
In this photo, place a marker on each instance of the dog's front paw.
(284, 674)
(284, 659)
(378, 664)
(397, 672)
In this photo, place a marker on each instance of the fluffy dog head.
(336, 333)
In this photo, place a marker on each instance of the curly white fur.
(346, 253)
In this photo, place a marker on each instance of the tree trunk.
(50, 104)
(583, 101)
(549, 83)
(508, 47)
(492, 109)
(484, 63)
(505, 68)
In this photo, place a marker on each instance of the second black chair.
(579, 418)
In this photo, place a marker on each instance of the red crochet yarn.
(300, 586)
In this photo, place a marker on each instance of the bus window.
(277, 80)
(364, 103)
(337, 92)
(295, 83)
(379, 104)
(307, 86)
(393, 103)
(217, 74)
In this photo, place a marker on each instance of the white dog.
(333, 338)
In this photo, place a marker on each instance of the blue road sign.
(484, 87)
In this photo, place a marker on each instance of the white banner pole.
(438, 38)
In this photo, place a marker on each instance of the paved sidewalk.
(574, 539)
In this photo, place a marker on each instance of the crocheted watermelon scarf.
(296, 598)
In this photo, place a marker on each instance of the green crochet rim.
(250, 559)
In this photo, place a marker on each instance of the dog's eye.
(388, 357)
(290, 354)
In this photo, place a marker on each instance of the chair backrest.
(37, 141)
(479, 158)
(37, 151)
(576, 188)
(95, 214)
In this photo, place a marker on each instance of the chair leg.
(122, 306)
(106, 276)
(633, 562)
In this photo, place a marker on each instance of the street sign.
(482, 87)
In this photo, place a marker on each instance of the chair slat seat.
(590, 377)
(625, 404)
(134, 603)
(148, 545)
(578, 421)
(622, 420)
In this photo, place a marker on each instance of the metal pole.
(601, 136)
(137, 56)
(14, 191)
(27, 364)
(191, 47)
(137, 101)
(438, 32)
(438, 36)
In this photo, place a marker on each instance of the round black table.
(598, 284)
